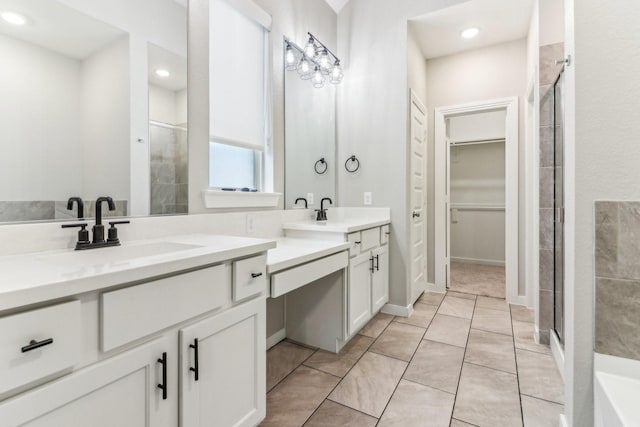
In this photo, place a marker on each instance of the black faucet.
(98, 228)
(322, 212)
(79, 202)
(304, 200)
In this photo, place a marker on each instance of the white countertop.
(291, 252)
(344, 220)
(42, 276)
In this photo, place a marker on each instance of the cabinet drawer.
(384, 234)
(135, 312)
(57, 328)
(370, 239)
(249, 277)
(354, 239)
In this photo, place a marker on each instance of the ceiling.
(160, 58)
(58, 28)
(337, 5)
(499, 21)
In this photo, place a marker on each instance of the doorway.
(444, 203)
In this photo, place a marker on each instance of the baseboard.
(276, 338)
(563, 421)
(557, 351)
(479, 261)
(432, 287)
(397, 310)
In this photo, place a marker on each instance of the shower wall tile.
(546, 269)
(618, 317)
(546, 106)
(548, 55)
(546, 187)
(546, 228)
(617, 236)
(546, 146)
(546, 310)
(26, 211)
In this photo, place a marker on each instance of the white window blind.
(238, 60)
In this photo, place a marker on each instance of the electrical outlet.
(251, 225)
(367, 198)
(310, 198)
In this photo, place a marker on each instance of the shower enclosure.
(558, 205)
(169, 172)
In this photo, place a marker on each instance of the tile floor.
(487, 280)
(459, 360)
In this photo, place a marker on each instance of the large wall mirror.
(310, 139)
(93, 103)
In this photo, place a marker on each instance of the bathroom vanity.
(162, 332)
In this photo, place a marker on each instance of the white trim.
(563, 421)
(509, 104)
(557, 351)
(236, 143)
(252, 11)
(276, 338)
(215, 199)
(397, 310)
(431, 287)
(532, 194)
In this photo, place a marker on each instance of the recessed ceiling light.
(469, 33)
(13, 18)
(163, 73)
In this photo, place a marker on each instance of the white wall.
(551, 21)
(41, 150)
(497, 71)
(167, 106)
(105, 122)
(373, 102)
(416, 69)
(604, 156)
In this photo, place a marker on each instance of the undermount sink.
(115, 254)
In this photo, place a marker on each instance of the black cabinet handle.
(254, 275)
(372, 268)
(163, 386)
(33, 344)
(357, 243)
(377, 262)
(195, 368)
(387, 232)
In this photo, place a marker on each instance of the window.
(239, 107)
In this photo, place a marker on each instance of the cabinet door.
(120, 391)
(380, 278)
(227, 355)
(359, 291)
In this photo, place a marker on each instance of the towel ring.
(352, 159)
(319, 171)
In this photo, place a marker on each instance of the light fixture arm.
(315, 39)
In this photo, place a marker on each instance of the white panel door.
(223, 368)
(359, 291)
(120, 391)
(418, 212)
(380, 278)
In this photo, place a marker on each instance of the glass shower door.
(558, 204)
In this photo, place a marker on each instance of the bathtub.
(616, 392)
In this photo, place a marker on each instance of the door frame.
(510, 105)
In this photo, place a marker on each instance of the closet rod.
(476, 207)
(480, 141)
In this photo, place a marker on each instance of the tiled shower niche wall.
(617, 261)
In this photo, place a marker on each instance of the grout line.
(464, 354)
(517, 373)
(428, 386)
(544, 400)
(296, 367)
(493, 369)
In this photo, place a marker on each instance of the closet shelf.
(477, 206)
(476, 142)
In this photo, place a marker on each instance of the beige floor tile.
(436, 365)
(523, 334)
(285, 405)
(370, 384)
(282, 359)
(332, 414)
(539, 376)
(487, 397)
(421, 316)
(399, 341)
(479, 279)
(458, 423)
(491, 350)
(540, 413)
(376, 325)
(339, 363)
(521, 313)
(448, 330)
(464, 295)
(492, 320)
(492, 303)
(415, 405)
(431, 298)
(458, 307)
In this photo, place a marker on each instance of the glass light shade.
(310, 48)
(469, 33)
(304, 69)
(290, 59)
(13, 18)
(325, 63)
(336, 73)
(318, 78)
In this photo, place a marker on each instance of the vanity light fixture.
(162, 73)
(313, 62)
(13, 18)
(469, 33)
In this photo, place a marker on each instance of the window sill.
(217, 199)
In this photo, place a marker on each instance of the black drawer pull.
(387, 232)
(372, 268)
(195, 369)
(254, 275)
(163, 386)
(33, 344)
(357, 243)
(377, 262)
